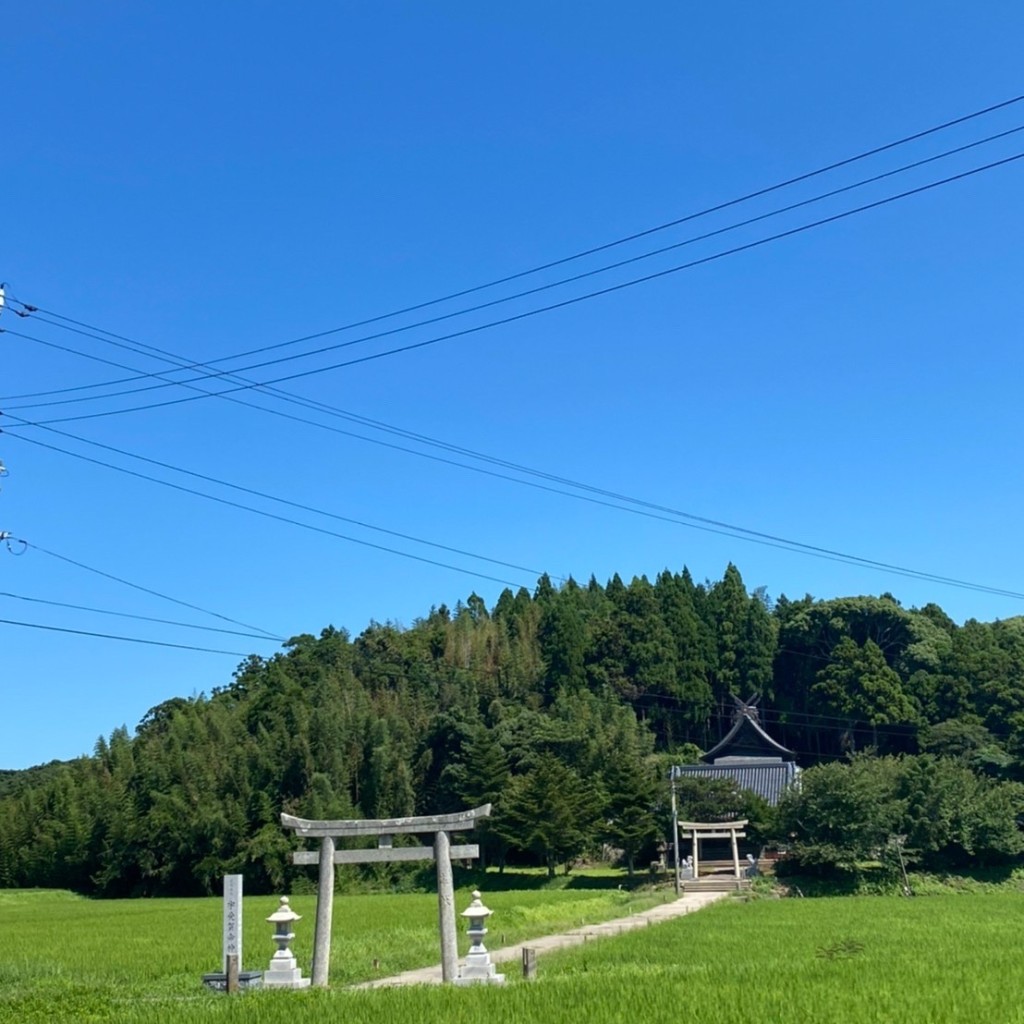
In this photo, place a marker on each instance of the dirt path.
(662, 912)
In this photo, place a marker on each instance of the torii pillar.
(441, 852)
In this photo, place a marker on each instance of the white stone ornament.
(478, 969)
(284, 972)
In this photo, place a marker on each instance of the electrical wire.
(163, 375)
(126, 639)
(573, 483)
(805, 227)
(709, 525)
(144, 590)
(689, 520)
(610, 289)
(286, 501)
(112, 636)
(646, 232)
(130, 615)
(268, 515)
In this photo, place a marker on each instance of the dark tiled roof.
(747, 738)
(767, 777)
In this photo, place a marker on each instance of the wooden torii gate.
(441, 852)
(695, 831)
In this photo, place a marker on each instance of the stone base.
(480, 974)
(246, 980)
(295, 981)
(284, 973)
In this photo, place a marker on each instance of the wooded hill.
(563, 707)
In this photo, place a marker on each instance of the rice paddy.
(849, 959)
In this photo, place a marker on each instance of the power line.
(573, 483)
(636, 235)
(722, 529)
(610, 289)
(126, 639)
(320, 406)
(672, 515)
(789, 544)
(283, 501)
(135, 346)
(495, 302)
(264, 513)
(130, 615)
(144, 590)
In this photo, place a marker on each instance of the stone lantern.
(478, 968)
(284, 971)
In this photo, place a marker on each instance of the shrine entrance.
(441, 852)
(695, 831)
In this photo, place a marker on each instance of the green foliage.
(464, 706)
(935, 810)
(633, 788)
(718, 799)
(969, 741)
(859, 684)
(841, 814)
(551, 812)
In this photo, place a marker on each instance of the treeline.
(562, 707)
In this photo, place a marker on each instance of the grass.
(70, 958)
(861, 960)
(867, 959)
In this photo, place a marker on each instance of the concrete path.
(663, 912)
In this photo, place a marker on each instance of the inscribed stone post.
(232, 927)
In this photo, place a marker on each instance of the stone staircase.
(716, 883)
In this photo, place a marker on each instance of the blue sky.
(210, 180)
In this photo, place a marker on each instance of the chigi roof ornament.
(747, 739)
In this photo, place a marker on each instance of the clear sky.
(211, 179)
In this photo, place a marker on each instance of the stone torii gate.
(441, 852)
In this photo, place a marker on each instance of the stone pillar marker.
(529, 963)
(232, 930)
(478, 970)
(284, 971)
(232, 978)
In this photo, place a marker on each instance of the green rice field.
(955, 958)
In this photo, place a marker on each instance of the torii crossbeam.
(442, 853)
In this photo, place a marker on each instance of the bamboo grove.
(563, 707)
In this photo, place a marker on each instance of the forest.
(563, 707)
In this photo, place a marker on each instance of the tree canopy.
(556, 707)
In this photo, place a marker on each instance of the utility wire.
(264, 513)
(671, 515)
(145, 590)
(610, 289)
(720, 528)
(284, 501)
(135, 346)
(540, 288)
(129, 615)
(641, 234)
(805, 227)
(574, 483)
(126, 639)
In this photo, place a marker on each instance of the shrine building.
(749, 755)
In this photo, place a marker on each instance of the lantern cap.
(284, 913)
(476, 908)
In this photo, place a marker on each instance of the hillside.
(551, 704)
